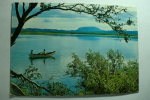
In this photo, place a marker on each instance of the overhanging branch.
(30, 8)
(23, 8)
(66, 8)
(17, 11)
(16, 75)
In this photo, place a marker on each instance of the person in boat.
(44, 51)
(31, 51)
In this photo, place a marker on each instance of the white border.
(144, 48)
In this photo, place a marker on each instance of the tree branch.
(17, 89)
(102, 14)
(17, 11)
(42, 10)
(30, 8)
(34, 15)
(63, 7)
(16, 75)
(23, 8)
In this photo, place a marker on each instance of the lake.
(65, 45)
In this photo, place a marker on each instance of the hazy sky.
(68, 20)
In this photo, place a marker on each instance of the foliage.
(32, 73)
(101, 75)
(102, 14)
(15, 90)
(98, 75)
(27, 85)
(59, 89)
(23, 81)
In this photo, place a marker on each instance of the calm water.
(64, 45)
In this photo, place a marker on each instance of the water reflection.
(65, 46)
(43, 60)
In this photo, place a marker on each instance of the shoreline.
(63, 33)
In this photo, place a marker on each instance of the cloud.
(64, 23)
(50, 13)
(69, 20)
(63, 14)
(47, 21)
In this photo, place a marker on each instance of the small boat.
(41, 55)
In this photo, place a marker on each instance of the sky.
(69, 20)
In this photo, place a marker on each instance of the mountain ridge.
(91, 29)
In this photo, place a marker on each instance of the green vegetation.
(63, 33)
(104, 75)
(26, 85)
(98, 75)
(109, 15)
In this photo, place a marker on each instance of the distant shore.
(63, 33)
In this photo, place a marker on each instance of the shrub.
(104, 75)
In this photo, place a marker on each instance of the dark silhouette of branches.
(23, 85)
(15, 90)
(21, 19)
(21, 76)
(102, 14)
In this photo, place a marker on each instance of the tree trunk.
(16, 33)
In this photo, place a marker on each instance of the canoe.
(41, 55)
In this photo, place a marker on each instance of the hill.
(79, 30)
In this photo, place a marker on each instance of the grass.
(63, 33)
